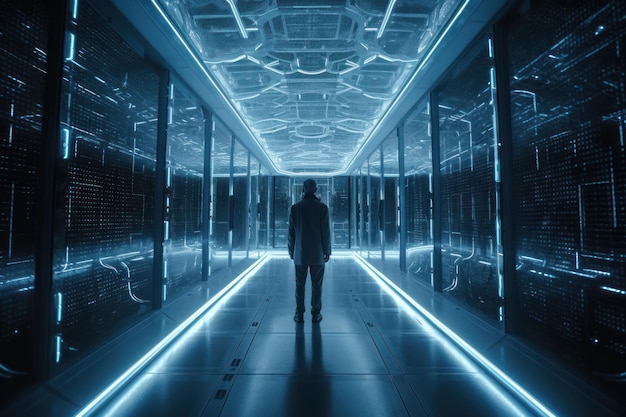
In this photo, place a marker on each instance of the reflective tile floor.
(368, 357)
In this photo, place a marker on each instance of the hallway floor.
(368, 357)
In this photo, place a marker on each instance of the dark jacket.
(309, 231)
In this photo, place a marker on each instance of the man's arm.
(291, 236)
(326, 234)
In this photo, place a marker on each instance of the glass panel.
(391, 197)
(340, 212)
(23, 44)
(220, 174)
(264, 209)
(103, 252)
(240, 202)
(365, 208)
(418, 167)
(375, 206)
(253, 208)
(469, 177)
(182, 247)
(567, 100)
(280, 207)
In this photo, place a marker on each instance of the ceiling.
(310, 86)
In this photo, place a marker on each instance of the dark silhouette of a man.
(309, 247)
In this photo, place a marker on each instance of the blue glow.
(59, 307)
(70, 53)
(65, 134)
(75, 10)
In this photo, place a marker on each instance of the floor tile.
(338, 396)
(163, 395)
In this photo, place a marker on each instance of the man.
(309, 247)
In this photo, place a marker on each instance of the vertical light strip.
(496, 372)
(227, 292)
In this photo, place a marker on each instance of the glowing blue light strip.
(496, 372)
(143, 362)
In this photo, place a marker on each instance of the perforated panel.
(567, 99)
(106, 168)
(23, 43)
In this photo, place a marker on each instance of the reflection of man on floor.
(309, 247)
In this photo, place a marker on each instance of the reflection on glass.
(264, 209)
(280, 207)
(220, 166)
(567, 102)
(469, 177)
(375, 197)
(418, 167)
(364, 209)
(103, 246)
(391, 227)
(340, 212)
(252, 210)
(182, 246)
(23, 44)
(239, 221)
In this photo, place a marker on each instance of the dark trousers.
(317, 276)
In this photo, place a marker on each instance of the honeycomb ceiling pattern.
(312, 79)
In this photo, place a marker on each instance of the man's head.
(309, 186)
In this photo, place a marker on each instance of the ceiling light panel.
(312, 79)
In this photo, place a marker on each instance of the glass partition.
(264, 209)
(182, 245)
(364, 209)
(220, 199)
(239, 200)
(339, 206)
(23, 47)
(282, 200)
(391, 197)
(469, 183)
(253, 209)
(375, 200)
(567, 101)
(418, 166)
(103, 232)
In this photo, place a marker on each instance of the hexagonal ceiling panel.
(312, 78)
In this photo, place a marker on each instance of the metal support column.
(58, 12)
(507, 194)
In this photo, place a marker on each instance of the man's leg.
(317, 277)
(301, 271)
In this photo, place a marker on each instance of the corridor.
(370, 356)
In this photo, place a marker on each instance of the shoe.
(298, 318)
(317, 318)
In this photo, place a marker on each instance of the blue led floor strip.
(398, 294)
(131, 372)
